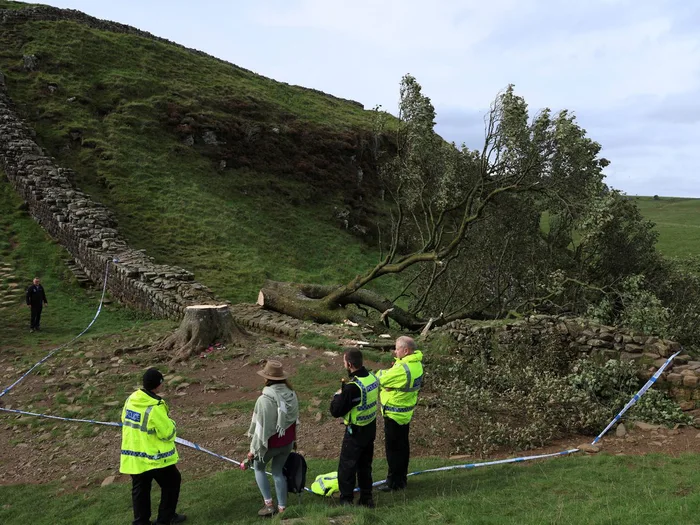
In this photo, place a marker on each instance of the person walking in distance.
(356, 403)
(148, 452)
(400, 385)
(273, 432)
(36, 299)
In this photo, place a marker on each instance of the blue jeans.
(279, 457)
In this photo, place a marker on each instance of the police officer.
(148, 452)
(400, 385)
(356, 403)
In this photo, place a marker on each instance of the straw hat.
(273, 370)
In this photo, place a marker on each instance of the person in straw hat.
(273, 432)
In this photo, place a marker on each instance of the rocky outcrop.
(88, 229)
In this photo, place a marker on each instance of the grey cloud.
(649, 155)
(554, 20)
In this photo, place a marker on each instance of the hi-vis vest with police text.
(325, 484)
(366, 411)
(148, 435)
(400, 386)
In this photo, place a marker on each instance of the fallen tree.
(439, 195)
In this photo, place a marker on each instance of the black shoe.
(389, 488)
(369, 503)
(178, 518)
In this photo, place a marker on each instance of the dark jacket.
(36, 295)
(349, 397)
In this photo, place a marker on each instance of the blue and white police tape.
(486, 464)
(181, 441)
(53, 352)
(636, 396)
(73, 420)
(202, 449)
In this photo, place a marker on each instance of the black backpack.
(295, 472)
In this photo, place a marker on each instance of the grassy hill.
(207, 166)
(677, 221)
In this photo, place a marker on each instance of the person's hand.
(338, 392)
(251, 456)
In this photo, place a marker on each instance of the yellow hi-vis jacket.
(325, 484)
(366, 412)
(148, 434)
(400, 386)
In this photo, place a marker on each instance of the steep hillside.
(206, 166)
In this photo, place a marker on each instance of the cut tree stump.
(203, 325)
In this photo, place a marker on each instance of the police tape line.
(636, 396)
(181, 441)
(202, 449)
(488, 463)
(53, 352)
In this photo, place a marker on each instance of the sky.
(628, 69)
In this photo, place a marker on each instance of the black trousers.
(355, 463)
(36, 316)
(398, 453)
(169, 480)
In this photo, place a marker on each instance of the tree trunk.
(202, 326)
(308, 302)
(301, 303)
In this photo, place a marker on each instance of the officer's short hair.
(406, 342)
(354, 357)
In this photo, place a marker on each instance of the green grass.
(579, 490)
(318, 341)
(677, 221)
(7, 4)
(29, 250)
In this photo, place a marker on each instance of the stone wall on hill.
(88, 229)
(681, 378)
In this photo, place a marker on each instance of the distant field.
(677, 221)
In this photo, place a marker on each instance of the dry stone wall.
(88, 229)
(681, 378)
